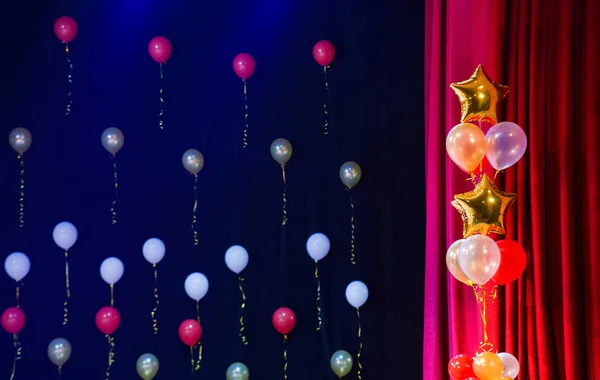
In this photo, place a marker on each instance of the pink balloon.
(160, 49)
(466, 146)
(13, 320)
(244, 65)
(65, 29)
(324, 52)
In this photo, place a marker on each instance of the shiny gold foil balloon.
(147, 366)
(350, 174)
(341, 363)
(20, 140)
(113, 140)
(193, 161)
(237, 371)
(483, 209)
(281, 150)
(479, 96)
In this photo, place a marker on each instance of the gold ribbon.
(153, 312)
(242, 307)
(194, 218)
(360, 346)
(352, 229)
(198, 312)
(18, 354)
(246, 126)
(197, 367)
(22, 193)
(112, 295)
(284, 217)
(70, 78)
(160, 97)
(18, 294)
(285, 360)
(325, 111)
(113, 208)
(111, 354)
(319, 312)
(481, 295)
(68, 290)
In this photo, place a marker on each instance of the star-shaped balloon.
(479, 96)
(483, 209)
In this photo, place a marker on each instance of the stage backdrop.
(376, 113)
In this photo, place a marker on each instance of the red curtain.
(548, 53)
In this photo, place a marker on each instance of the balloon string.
(284, 217)
(285, 359)
(160, 97)
(194, 218)
(352, 229)
(198, 311)
(112, 295)
(60, 372)
(18, 295)
(246, 126)
(325, 111)
(360, 346)
(153, 312)
(242, 307)
(113, 208)
(111, 354)
(68, 290)
(18, 354)
(70, 78)
(22, 193)
(192, 360)
(197, 367)
(481, 295)
(319, 312)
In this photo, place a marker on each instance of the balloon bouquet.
(483, 259)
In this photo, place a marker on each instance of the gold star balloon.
(479, 96)
(483, 209)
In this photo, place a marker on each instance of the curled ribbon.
(197, 367)
(246, 126)
(111, 354)
(319, 311)
(160, 97)
(285, 359)
(481, 295)
(352, 228)
(360, 346)
(153, 313)
(70, 78)
(243, 305)
(113, 208)
(18, 354)
(22, 193)
(68, 290)
(284, 217)
(194, 218)
(325, 111)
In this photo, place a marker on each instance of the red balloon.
(284, 320)
(160, 49)
(244, 65)
(324, 52)
(460, 367)
(13, 320)
(512, 262)
(65, 29)
(108, 320)
(190, 332)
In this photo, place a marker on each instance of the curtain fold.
(548, 53)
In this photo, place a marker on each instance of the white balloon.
(154, 250)
(65, 235)
(357, 293)
(318, 246)
(236, 258)
(510, 364)
(479, 258)
(111, 270)
(17, 265)
(196, 286)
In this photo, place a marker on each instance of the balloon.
(318, 246)
(357, 293)
(111, 270)
(506, 144)
(460, 367)
(452, 263)
(341, 363)
(479, 97)
(512, 263)
(236, 258)
(147, 366)
(65, 235)
(323, 52)
(237, 371)
(196, 286)
(284, 320)
(108, 320)
(510, 365)
(350, 174)
(487, 366)
(59, 351)
(20, 140)
(466, 146)
(65, 29)
(160, 49)
(153, 250)
(13, 320)
(244, 65)
(193, 161)
(190, 332)
(281, 150)
(17, 265)
(482, 210)
(479, 258)
(112, 140)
